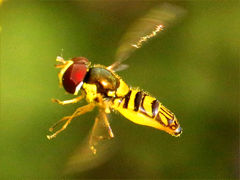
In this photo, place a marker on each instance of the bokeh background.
(192, 68)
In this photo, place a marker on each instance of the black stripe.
(155, 105)
(168, 113)
(164, 115)
(141, 106)
(137, 100)
(144, 95)
(166, 110)
(127, 98)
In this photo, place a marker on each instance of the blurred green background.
(192, 68)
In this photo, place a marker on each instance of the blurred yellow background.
(192, 68)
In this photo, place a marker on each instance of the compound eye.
(73, 76)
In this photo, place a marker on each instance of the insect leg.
(78, 112)
(101, 130)
(91, 141)
(63, 66)
(70, 101)
(107, 124)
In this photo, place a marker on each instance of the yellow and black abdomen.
(143, 109)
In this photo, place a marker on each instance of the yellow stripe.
(147, 104)
(123, 89)
(117, 102)
(131, 100)
(163, 118)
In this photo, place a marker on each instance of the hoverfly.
(104, 89)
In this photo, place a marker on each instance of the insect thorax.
(107, 83)
(103, 79)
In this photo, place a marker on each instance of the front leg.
(68, 119)
(70, 101)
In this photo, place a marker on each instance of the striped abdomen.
(144, 109)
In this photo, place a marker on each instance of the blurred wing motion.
(145, 28)
(94, 150)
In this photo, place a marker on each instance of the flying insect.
(103, 88)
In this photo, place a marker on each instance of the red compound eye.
(75, 74)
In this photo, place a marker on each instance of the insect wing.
(84, 157)
(145, 28)
(118, 67)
